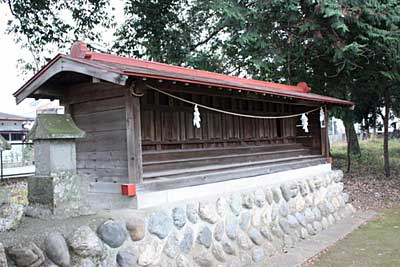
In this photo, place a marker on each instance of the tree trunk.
(353, 147)
(348, 133)
(386, 133)
(351, 135)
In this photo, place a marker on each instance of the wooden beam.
(105, 187)
(326, 113)
(212, 177)
(49, 92)
(187, 79)
(324, 135)
(222, 83)
(133, 138)
(204, 90)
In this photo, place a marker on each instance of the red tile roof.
(149, 69)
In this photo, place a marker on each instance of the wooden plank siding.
(111, 152)
(99, 110)
(167, 123)
(312, 139)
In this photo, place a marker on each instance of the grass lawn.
(371, 160)
(374, 244)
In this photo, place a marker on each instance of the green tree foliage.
(42, 26)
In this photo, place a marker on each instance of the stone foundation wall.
(237, 229)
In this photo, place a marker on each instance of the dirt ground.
(366, 184)
(376, 243)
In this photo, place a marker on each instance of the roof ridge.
(80, 50)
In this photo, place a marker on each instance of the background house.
(14, 127)
(52, 107)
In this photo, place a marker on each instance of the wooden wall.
(99, 110)
(312, 139)
(167, 123)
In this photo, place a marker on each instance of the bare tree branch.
(214, 33)
(29, 45)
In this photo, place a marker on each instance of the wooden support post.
(133, 138)
(67, 107)
(324, 134)
(326, 112)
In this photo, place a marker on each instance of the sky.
(10, 80)
(9, 77)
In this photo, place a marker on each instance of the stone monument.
(56, 186)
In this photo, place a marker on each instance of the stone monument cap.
(54, 126)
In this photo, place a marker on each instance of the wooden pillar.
(324, 134)
(326, 112)
(133, 138)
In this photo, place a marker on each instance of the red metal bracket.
(128, 190)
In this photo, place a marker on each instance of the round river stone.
(56, 249)
(160, 224)
(112, 233)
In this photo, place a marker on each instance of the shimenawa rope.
(228, 112)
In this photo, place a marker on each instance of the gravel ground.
(32, 229)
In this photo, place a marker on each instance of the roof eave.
(62, 63)
(256, 89)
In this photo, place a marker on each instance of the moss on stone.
(55, 126)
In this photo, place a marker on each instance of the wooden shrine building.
(138, 120)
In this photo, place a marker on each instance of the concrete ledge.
(314, 245)
(147, 199)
